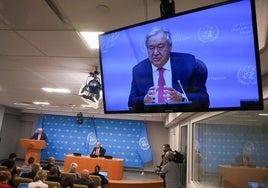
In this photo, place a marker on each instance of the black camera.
(157, 170)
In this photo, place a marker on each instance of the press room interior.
(43, 47)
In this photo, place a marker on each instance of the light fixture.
(91, 92)
(263, 114)
(41, 103)
(56, 90)
(91, 38)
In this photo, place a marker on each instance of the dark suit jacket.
(191, 72)
(102, 151)
(43, 137)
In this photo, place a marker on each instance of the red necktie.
(161, 84)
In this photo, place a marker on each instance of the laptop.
(252, 184)
(104, 173)
(23, 185)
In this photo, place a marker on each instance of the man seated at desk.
(244, 160)
(98, 150)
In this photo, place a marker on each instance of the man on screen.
(167, 77)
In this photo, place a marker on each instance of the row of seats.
(51, 184)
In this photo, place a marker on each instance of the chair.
(96, 180)
(80, 186)
(73, 175)
(52, 184)
(3, 167)
(18, 180)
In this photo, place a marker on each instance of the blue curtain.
(125, 139)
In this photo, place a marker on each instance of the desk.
(135, 184)
(239, 176)
(114, 166)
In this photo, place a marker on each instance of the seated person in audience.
(28, 165)
(85, 180)
(11, 157)
(53, 175)
(73, 170)
(39, 179)
(67, 182)
(5, 176)
(51, 162)
(10, 164)
(97, 173)
(33, 172)
(98, 150)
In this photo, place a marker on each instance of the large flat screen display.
(206, 59)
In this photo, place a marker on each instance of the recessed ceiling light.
(91, 38)
(42, 103)
(56, 90)
(21, 104)
(263, 114)
(103, 8)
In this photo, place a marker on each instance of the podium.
(33, 148)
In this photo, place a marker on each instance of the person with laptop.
(98, 150)
(97, 172)
(166, 76)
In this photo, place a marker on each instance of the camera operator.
(170, 171)
(165, 148)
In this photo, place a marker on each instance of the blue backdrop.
(125, 139)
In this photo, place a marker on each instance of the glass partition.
(230, 154)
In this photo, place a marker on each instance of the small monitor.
(108, 157)
(77, 154)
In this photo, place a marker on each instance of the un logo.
(91, 138)
(247, 75)
(143, 143)
(208, 33)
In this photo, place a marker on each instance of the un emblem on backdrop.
(208, 33)
(91, 138)
(247, 75)
(143, 143)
